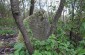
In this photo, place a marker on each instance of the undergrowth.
(59, 44)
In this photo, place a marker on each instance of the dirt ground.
(6, 44)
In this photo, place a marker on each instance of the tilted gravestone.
(39, 24)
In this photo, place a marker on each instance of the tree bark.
(56, 17)
(16, 14)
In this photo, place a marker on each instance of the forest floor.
(6, 43)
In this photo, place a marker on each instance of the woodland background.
(61, 30)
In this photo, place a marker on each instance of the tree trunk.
(19, 22)
(31, 7)
(56, 17)
(73, 6)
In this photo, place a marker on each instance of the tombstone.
(39, 24)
